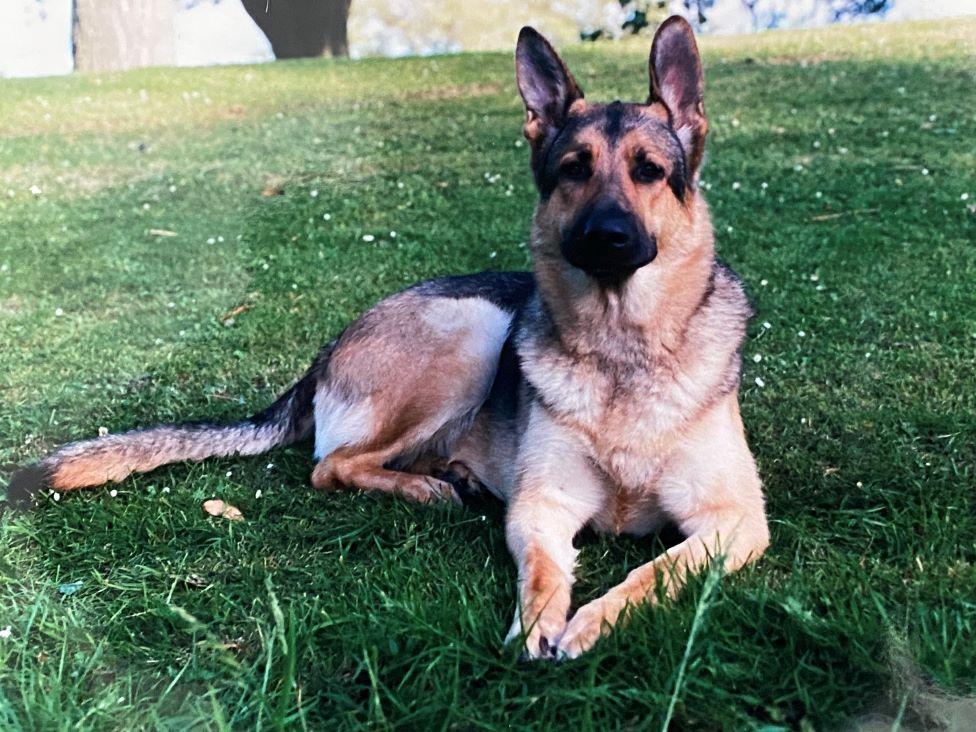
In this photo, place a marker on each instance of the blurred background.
(47, 37)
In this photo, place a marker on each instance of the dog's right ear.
(545, 84)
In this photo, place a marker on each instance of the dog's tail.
(113, 457)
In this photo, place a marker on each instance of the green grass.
(852, 150)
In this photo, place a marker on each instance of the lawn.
(176, 244)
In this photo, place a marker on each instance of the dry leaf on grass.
(223, 510)
(273, 186)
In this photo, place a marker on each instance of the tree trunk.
(302, 28)
(108, 35)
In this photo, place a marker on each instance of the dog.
(599, 390)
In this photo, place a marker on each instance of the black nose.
(613, 232)
(608, 242)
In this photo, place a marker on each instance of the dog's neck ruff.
(701, 359)
(646, 314)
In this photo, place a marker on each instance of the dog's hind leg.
(366, 472)
(388, 444)
(403, 386)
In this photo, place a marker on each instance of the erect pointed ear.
(677, 82)
(545, 84)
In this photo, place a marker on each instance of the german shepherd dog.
(599, 390)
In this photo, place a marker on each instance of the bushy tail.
(113, 457)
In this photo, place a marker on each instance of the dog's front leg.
(737, 538)
(556, 493)
(714, 495)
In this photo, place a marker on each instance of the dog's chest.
(629, 424)
(627, 417)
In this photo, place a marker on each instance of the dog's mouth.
(610, 267)
(608, 279)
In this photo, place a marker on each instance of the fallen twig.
(227, 319)
(855, 212)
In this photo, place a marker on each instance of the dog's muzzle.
(608, 243)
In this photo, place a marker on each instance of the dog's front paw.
(583, 631)
(539, 641)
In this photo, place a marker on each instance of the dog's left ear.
(546, 86)
(677, 82)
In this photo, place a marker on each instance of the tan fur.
(114, 457)
(660, 423)
(640, 381)
(389, 360)
(720, 509)
(365, 471)
(619, 406)
(89, 470)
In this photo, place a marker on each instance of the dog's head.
(614, 179)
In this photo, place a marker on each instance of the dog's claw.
(547, 650)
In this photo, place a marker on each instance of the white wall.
(35, 38)
(219, 33)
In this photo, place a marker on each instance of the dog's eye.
(575, 170)
(648, 172)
